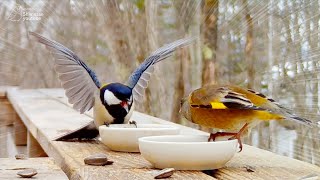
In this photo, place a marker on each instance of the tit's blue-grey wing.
(139, 79)
(78, 80)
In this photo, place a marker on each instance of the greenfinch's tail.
(300, 120)
(288, 114)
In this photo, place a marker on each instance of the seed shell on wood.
(27, 173)
(164, 173)
(21, 156)
(99, 159)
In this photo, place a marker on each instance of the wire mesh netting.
(270, 46)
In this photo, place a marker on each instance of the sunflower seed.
(164, 173)
(99, 159)
(109, 162)
(21, 156)
(27, 173)
(250, 169)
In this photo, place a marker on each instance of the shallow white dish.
(124, 137)
(187, 152)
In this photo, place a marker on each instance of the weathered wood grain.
(47, 114)
(47, 118)
(266, 165)
(46, 168)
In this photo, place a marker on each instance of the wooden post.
(34, 148)
(3, 124)
(3, 141)
(20, 132)
(7, 113)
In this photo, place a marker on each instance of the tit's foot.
(213, 136)
(106, 124)
(134, 123)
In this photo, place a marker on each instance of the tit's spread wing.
(139, 79)
(78, 80)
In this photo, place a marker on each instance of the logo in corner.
(18, 13)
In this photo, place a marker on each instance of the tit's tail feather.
(87, 132)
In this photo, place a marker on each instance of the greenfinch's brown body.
(231, 120)
(229, 108)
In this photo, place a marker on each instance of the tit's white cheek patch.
(110, 98)
(131, 100)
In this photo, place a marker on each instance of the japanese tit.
(113, 102)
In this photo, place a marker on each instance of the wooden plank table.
(46, 168)
(46, 114)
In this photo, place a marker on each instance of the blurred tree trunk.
(136, 20)
(273, 134)
(115, 30)
(151, 12)
(249, 47)
(210, 10)
(297, 84)
(195, 67)
(248, 54)
(28, 78)
(183, 10)
(315, 92)
(182, 56)
(5, 80)
(313, 38)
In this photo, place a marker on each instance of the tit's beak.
(124, 104)
(126, 107)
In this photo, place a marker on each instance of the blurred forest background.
(270, 46)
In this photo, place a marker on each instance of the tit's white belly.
(101, 115)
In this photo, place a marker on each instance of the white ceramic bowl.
(124, 137)
(187, 152)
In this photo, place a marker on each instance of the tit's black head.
(116, 93)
